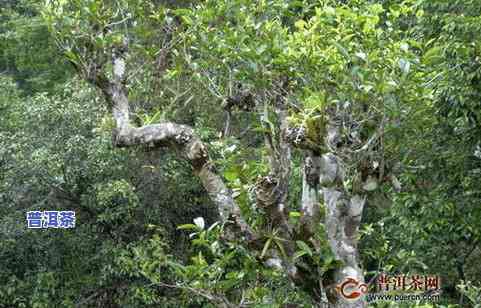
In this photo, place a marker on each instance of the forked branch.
(182, 138)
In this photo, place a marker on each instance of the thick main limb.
(179, 137)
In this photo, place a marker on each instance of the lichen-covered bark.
(310, 210)
(320, 174)
(179, 137)
(272, 190)
(343, 217)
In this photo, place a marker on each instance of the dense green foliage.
(408, 71)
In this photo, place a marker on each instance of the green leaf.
(231, 175)
(300, 24)
(266, 247)
(342, 50)
(181, 12)
(281, 248)
(433, 55)
(299, 254)
(294, 214)
(187, 227)
(304, 247)
(153, 119)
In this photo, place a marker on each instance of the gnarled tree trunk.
(321, 176)
(343, 217)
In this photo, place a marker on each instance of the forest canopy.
(237, 153)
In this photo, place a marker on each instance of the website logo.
(351, 288)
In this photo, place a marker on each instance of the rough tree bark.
(323, 177)
(325, 173)
(179, 137)
(343, 217)
(272, 190)
(310, 217)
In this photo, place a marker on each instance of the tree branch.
(310, 210)
(179, 137)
